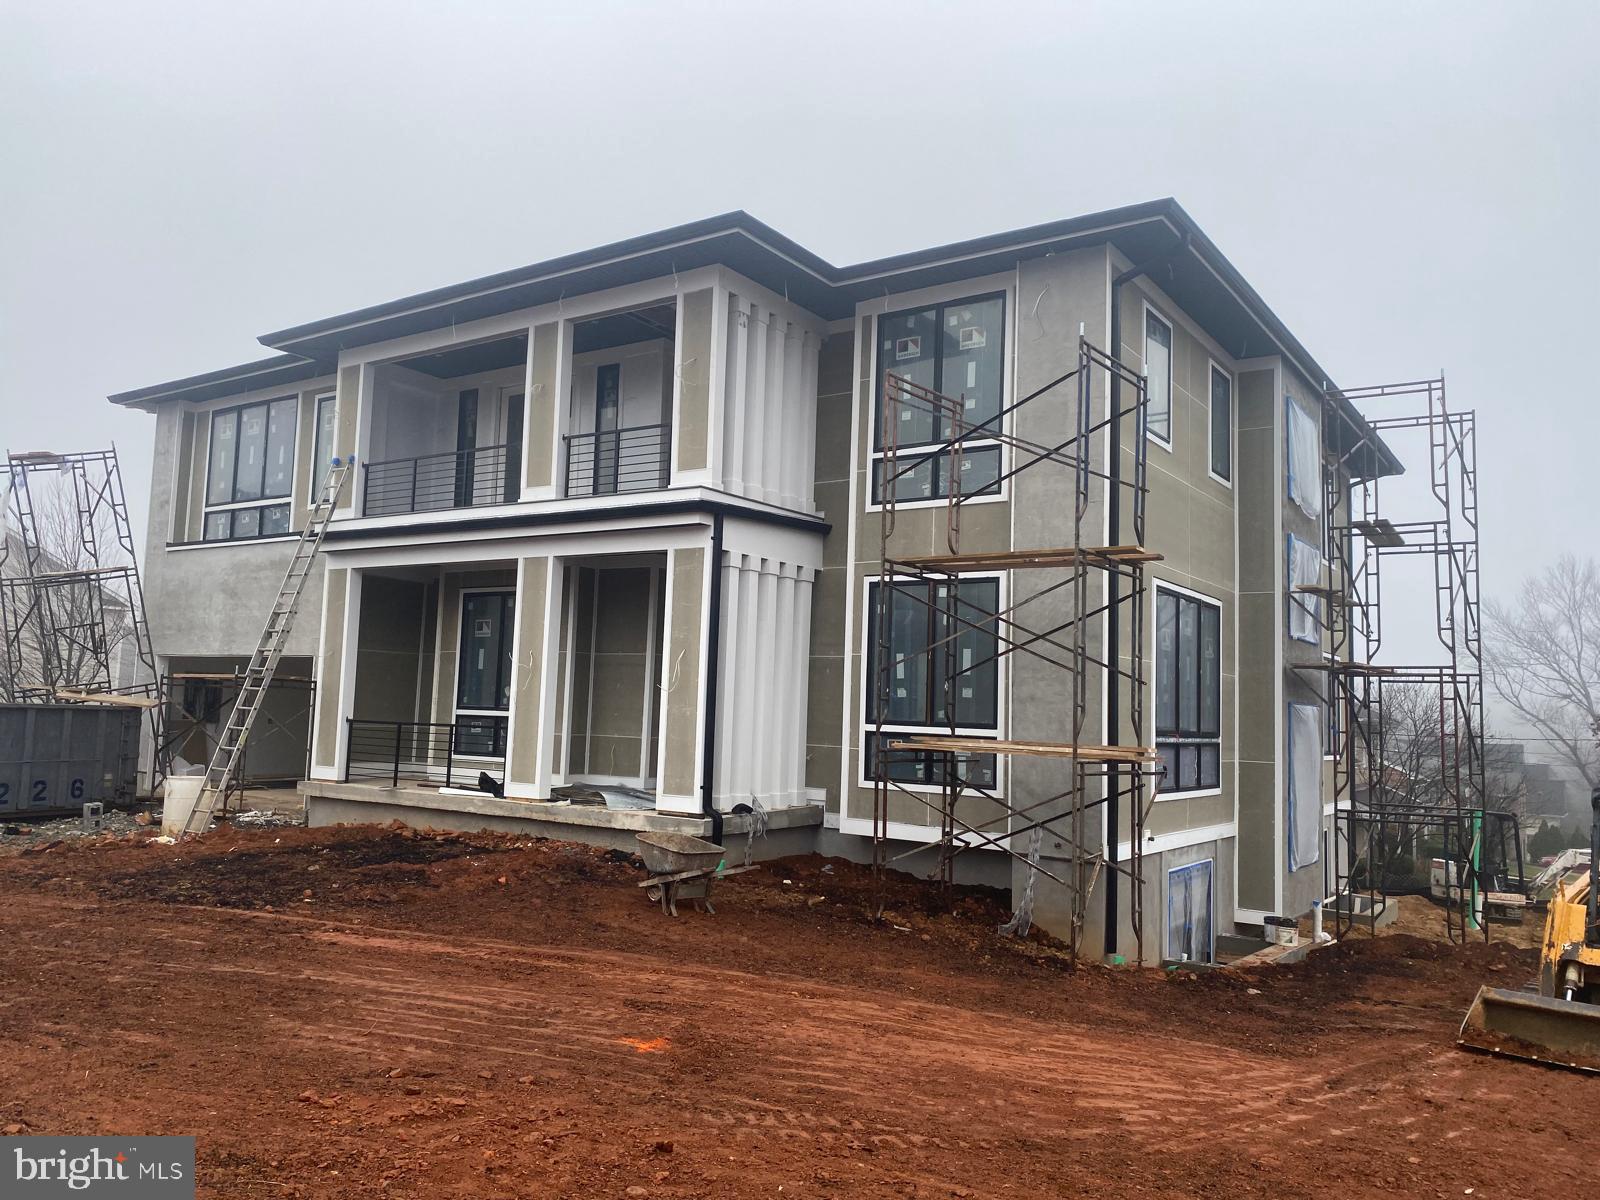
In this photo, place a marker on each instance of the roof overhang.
(281, 370)
(1198, 277)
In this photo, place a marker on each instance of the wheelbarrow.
(682, 867)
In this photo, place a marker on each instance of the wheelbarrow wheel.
(653, 893)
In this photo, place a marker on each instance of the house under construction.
(1026, 560)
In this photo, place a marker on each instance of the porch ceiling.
(473, 359)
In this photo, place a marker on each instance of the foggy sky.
(1410, 186)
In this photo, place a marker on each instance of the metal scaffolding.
(70, 596)
(963, 780)
(199, 704)
(1375, 811)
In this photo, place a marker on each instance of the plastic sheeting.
(1189, 913)
(1305, 460)
(1305, 785)
(1305, 610)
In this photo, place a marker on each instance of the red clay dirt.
(367, 1012)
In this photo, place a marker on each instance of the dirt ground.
(365, 1012)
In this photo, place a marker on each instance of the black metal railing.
(454, 479)
(419, 751)
(619, 460)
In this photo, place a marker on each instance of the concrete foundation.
(789, 830)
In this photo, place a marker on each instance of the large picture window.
(483, 673)
(958, 350)
(1158, 376)
(250, 470)
(941, 659)
(1188, 685)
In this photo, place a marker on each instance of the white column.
(755, 411)
(772, 447)
(808, 420)
(350, 645)
(801, 688)
(731, 737)
(793, 409)
(784, 680)
(733, 459)
(743, 784)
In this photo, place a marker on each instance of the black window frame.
(1184, 745)
(247, 520)
(926, 770)
(939, 459)
(1225, 442)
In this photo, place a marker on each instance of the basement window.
(1188, 686)
(250, 471)
(957, 350)
(943, 670)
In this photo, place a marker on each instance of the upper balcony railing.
(454, 479)
(619, 460)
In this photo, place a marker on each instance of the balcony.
(452, 479)
(619, 460)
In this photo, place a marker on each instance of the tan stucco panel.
(527, 671)
(693, 417)
(346, 408)
(542, 407)
(681, 748)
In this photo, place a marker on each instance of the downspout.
(708, 750)
(1114, 586)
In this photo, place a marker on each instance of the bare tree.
(1542, 656)
(91, 621)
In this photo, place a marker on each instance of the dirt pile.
(352, 1013)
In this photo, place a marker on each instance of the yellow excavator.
(1558, 1025)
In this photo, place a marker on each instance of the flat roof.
(1197, 276)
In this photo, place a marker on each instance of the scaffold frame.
(1362, 534)
(1097, 777)
(76, 608)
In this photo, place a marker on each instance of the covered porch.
(447, 429)
(567, 678)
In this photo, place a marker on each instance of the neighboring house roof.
(1197, 276)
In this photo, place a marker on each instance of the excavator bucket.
(1558, 1033)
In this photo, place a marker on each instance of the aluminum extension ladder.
(264, 662)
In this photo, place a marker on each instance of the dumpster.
(55, 758)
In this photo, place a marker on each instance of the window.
(1189, 936)
(1158, 376)
(958, 350)
(1188, 680)
(250, 464)
(943, 668)
(1221, 423)
(483, 673)
(322, 449)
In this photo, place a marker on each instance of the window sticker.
(908, 347)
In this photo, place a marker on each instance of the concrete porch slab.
(789, 830)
